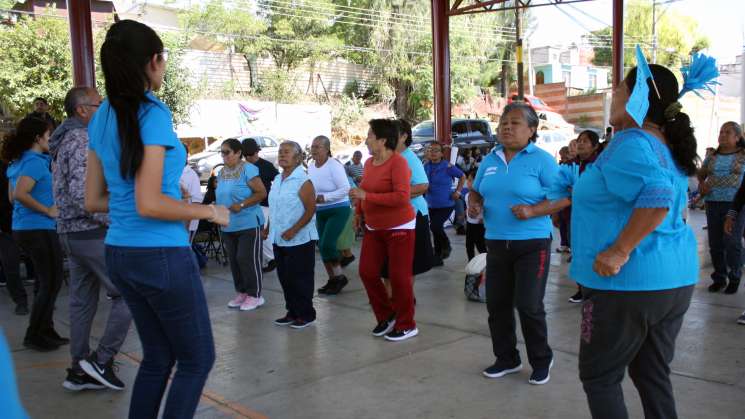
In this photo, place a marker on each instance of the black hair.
(234, 145)
(528, 113)
(186, 148)
(677, 129)
(23, 137)
(592, 135)
(472, 173)
(125, 53)
(41, 99)
(738, 131)
(404, 127)
(387, 129)
(73, 98)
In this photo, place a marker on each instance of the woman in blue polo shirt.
(510, 190)
(34, 228)
(441, 198)
(634, 255)
(134, 166)
(239, 187)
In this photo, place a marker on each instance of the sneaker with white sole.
(238, 300)
(79, 381)
(399, 335)
(252, 303)
(500, 369)
(741, 319)
(103, 373)
(301, 324)
(384, 327)
(541, 375)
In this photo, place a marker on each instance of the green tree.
(36, 62)
(677, 36)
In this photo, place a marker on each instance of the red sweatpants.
(398, 247)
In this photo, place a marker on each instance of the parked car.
(474, 132)
(204, 162)
(553, 141)
(554, 121)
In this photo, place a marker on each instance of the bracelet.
(214, 213)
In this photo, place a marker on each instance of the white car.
(204, 162)
(552, 141)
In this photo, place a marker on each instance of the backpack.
(475, 282)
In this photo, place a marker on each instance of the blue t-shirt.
(441, 177)
(418, 177)
(232, 188)
(635, 171)
(128, 228)
(9, 399)
(36, 166)
(524, 181)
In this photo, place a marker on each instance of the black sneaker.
(103, 373)
(576, 298)
(345, 261)
(500, 369)
(21, 309)
(741, 319)
(340, 282)
(732, 287)
(399, 335)
(270, 266)
(541, 375)
(330, 284)
(717, 286)
(384, 327)
(79, 380)
(301, 324)
(40, 343)
(284, 321)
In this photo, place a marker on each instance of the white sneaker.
(237, 301)
(252, 303)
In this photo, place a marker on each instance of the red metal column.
(81, 41)
(441, 67)
(617, 59)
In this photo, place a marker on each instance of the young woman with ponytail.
(34, 226)
(134, 165)
(637, 267)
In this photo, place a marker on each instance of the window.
(460, 128)
(479, 128)
(593, 81)
(567, 77)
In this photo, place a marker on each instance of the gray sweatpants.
(87, 259)
(244, 255)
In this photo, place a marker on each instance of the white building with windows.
(570, 65)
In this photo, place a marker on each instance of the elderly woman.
(634, 255)
(510, 189)
(292, 232)
(239, 188)
(720, 176)
(441, 198)
(388, 219)
(332, 210)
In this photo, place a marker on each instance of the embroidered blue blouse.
(635, 171)
(234, 188)
(285, 208)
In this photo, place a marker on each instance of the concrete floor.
(336, 369)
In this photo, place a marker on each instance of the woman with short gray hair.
(510, 191)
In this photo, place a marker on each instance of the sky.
(723, 21)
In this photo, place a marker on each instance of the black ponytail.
(23, 137)
(665, 112)
(128, 47)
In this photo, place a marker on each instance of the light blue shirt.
(418, 177)
(9, 399)
(128, 228)
(524, 181)
(635, 171)
(35, 166)
(286, 208)
(232, 189)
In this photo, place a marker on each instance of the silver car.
(204, 162)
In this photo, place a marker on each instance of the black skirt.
(423, 252)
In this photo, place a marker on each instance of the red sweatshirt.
(387, 202)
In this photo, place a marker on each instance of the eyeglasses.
(164, 54)
(225, 152)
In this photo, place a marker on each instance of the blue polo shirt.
(418, 177)
(441, 177)
(35, 166)
(233, 188)
(128, 228)
(524, 181)
(635, 171)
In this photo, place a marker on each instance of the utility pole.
(654, 31)
(519, 54)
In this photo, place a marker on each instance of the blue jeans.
(725, 249)
(163, 290)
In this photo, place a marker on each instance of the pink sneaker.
(238, 300)
(252, 303)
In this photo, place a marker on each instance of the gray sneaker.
(741, 319)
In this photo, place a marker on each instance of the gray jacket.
(69, 149)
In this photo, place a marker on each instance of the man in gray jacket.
(82, 236)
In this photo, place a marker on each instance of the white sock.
(336, 270)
